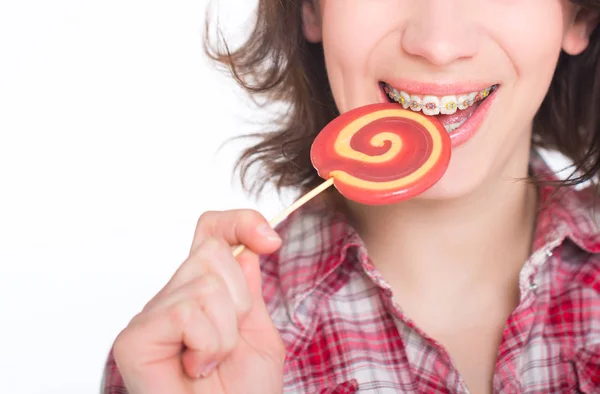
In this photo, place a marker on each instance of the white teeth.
(466, 101)
(405, 99)
(415, 103)
(448, 105)
(400, 97)
(431, 105)
(453, 126)
(434, 105)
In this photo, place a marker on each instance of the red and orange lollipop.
(378, 154)
(382, 153)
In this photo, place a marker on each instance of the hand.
(208, 329)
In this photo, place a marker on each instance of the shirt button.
(548, 252)
(533, 286)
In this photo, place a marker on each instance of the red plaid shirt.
(344, 334)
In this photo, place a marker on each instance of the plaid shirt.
(344, 334)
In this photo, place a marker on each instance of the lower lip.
(471, 126)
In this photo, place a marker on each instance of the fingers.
(194, 323)
(212, 257)
(214, 311)
(236, 227)
(211, 251)
(200, 315)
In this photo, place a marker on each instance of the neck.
(473, 240)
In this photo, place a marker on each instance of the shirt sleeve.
(112, 382)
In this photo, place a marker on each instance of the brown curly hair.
(277, 64)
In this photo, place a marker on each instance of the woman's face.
(450, 53)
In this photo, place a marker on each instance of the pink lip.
(470, 127)
(438, 89)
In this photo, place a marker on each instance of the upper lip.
(438, 89)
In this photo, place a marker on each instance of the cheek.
(352, 33)
(530, 34)
(351, 29)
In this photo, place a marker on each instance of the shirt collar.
(317, 240)
(568, 212)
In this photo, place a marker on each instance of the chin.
(461, 180)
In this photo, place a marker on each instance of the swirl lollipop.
(378, 154)
(382, 153)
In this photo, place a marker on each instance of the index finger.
(237, 227)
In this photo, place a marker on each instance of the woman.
(484, 283)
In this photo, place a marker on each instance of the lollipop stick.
(301, 201)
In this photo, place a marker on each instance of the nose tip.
(439, 35)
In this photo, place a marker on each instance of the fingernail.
(207, 370)
(266, 231)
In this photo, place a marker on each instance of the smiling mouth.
(451, 110)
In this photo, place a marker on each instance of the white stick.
(301, 201)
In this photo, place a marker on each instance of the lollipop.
(381, 153)
(377, 154)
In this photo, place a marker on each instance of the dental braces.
(451, 105)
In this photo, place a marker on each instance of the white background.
(110, 123)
